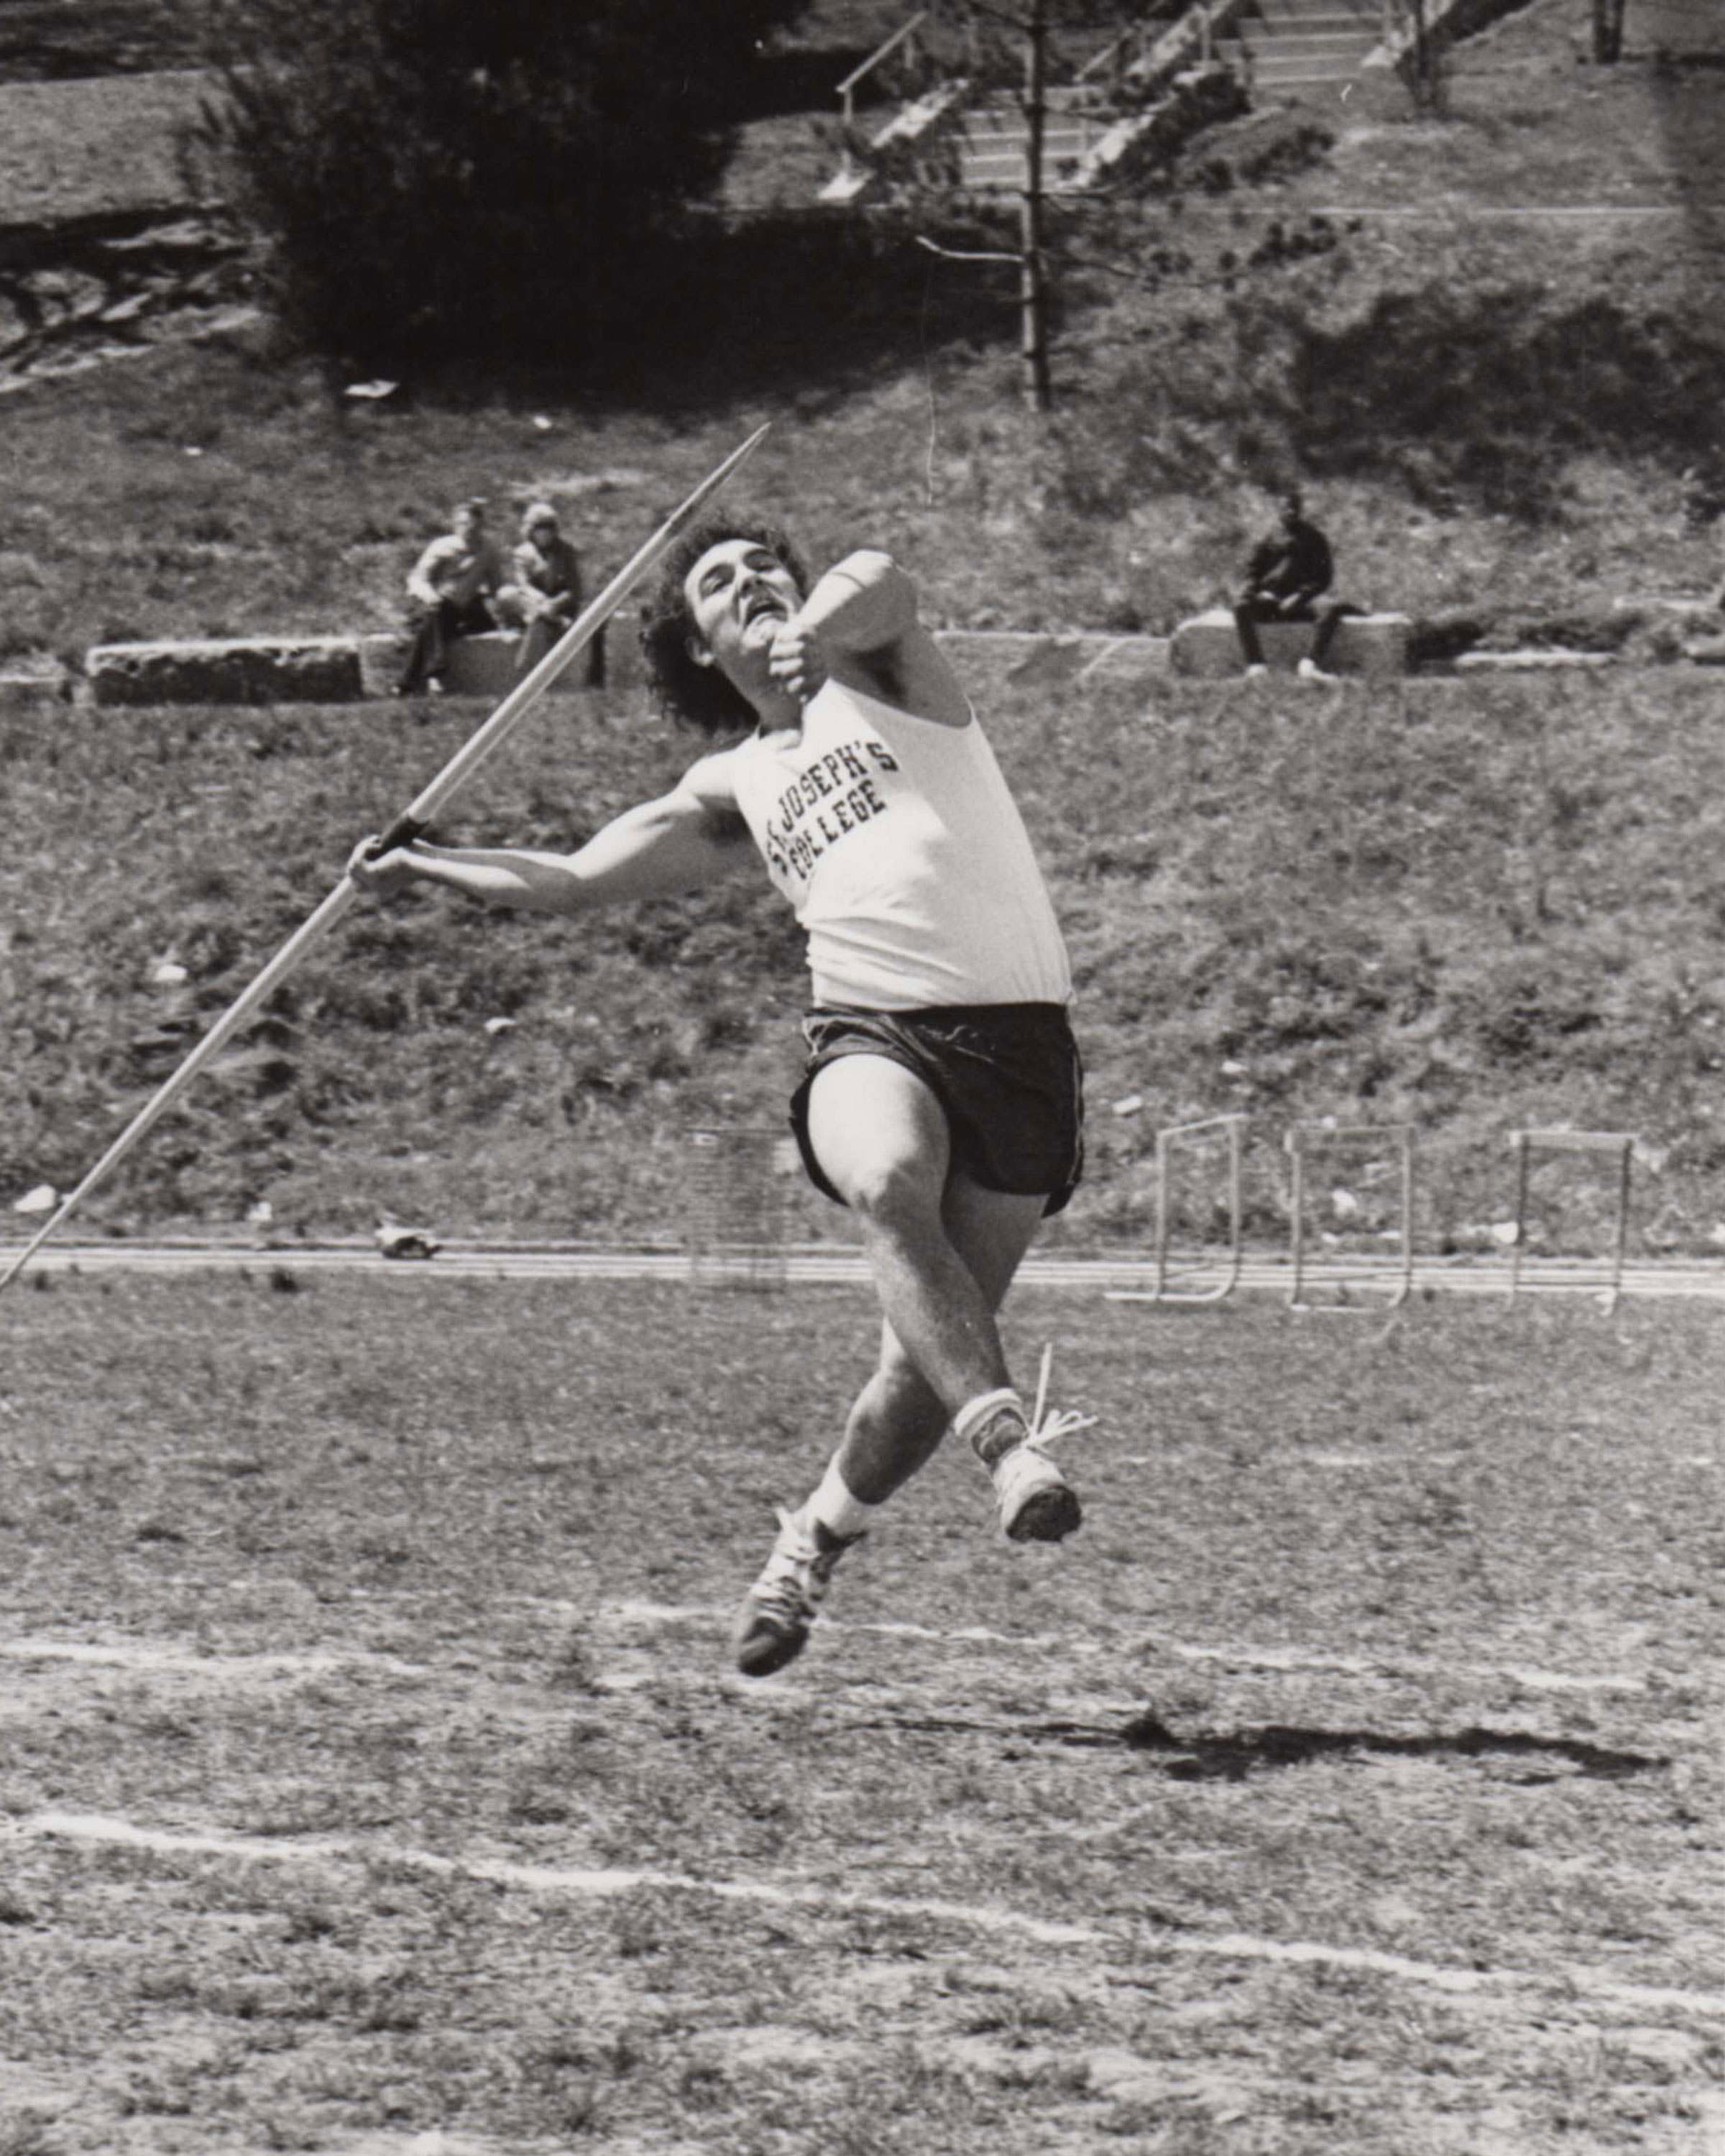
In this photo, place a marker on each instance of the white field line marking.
(650, 1613)
(557, 1879)
(168, 1660)
(540, 1878)
(1398, 1666)
(130, 1655)
(1288, 1659)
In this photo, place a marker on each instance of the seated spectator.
(451, 587)
(1289, 570)
(543, 594)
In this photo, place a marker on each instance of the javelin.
(406, 828)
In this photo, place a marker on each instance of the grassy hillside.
(1469, 905)
(1507, 411)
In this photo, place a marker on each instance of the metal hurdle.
(1233, 1126)
(1620, 1142)
(1301, 1140)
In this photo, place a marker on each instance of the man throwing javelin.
(943, 1097)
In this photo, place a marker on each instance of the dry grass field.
(373, 1778)
(375, 1783)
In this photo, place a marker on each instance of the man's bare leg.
(898, 1419)
(880, 1137)
(941, 1271)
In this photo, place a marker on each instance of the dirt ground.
(375, 1782)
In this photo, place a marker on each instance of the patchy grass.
(1459, 905)
(1350, 1782)
(47, 40)
(80, 149)
(1210, 337)
(1468, 906)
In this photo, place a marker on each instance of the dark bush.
(430, 179)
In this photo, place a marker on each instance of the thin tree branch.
(957, 254)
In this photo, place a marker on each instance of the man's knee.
(898, 1193)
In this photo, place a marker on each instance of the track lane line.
(98, 1829)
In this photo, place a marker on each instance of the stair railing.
(1114, 57)
(905, 34)
(1197, 27)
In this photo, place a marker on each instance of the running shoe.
(772, 1627)
(1036, 1502)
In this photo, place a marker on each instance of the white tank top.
(905, 857)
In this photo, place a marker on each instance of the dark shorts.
(1006, 1075)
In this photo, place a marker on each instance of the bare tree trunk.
(1033, 283)
(1608, 31)
(1423, 67)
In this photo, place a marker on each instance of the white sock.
(835, 1509)
(975, 1416)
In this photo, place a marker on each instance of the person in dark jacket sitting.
(1290, 570)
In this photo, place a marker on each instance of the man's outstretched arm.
(660, 848)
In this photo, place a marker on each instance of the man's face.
(1290, 511)
(542, 533)
(737, 596)
(469, 523)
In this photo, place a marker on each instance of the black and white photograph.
(862, 1077)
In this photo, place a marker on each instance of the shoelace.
(796, 1562)
(1046, 1428)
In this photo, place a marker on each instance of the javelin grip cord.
(402, 832)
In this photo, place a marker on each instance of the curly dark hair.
(689, 695)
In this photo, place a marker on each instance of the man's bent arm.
(423, 576)
(862, 603)
(862, 617)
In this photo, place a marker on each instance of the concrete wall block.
(483, 665)
(1370, 644)
(312, 670)
(381, 657)
(1538, 659)
(34, 690)
(486, 666)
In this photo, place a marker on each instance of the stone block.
(1374, 644)
(382, 656)
(1686, 606)
(1536, 660)
(34, 690)
(486, 666)
(309, 669)
(1058, 662)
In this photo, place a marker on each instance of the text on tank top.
(903, 853)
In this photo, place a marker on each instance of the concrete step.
(1368, 20)
(1341, 45)
(988, 123)
(1268, 71)
(992, 150)
(999, 173)
(298, 669)
(1370, 644)
(1299, 35)
(1288, 73)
